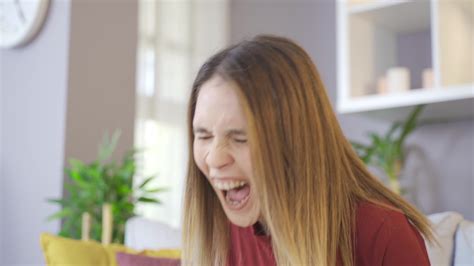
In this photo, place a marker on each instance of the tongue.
(238, 194)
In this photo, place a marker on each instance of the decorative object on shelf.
(398, 79)
(382, 85)
(102, 191)
(358, 2)
(386, 152)
(427, 78)
(20, 21)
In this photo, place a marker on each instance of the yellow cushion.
(64, 251)
(163, 253)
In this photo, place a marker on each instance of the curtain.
(175, 38)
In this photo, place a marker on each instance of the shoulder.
(386, 237)
(370, 218)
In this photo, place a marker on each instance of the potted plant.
(386, 152)
(102, 184)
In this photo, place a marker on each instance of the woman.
(272, 179)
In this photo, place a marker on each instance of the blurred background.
(98, 66)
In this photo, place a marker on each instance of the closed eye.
(240, 140)
(204, 137)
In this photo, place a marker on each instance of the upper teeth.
(228, 185)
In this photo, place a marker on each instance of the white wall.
(442, 155)
(32, 106)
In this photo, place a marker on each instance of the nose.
(218, 157)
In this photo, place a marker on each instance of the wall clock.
(20, 20)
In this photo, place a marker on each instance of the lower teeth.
(236, 202)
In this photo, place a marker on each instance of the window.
(175, 39)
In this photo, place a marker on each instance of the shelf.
(455, 41)
(375, 36)
(387, 14)
(373, 5)
(452, 102)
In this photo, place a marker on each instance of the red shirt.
(383, 237)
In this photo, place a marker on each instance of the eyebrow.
(229, 132)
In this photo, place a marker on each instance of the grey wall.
(33, 105)
(312, 23)
(301, 20)
(416, 59)
(439, 167)
(102, 55)
(439, 173)
(60, 94)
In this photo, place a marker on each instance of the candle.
(107, 221)
(428, 78)
(398, 79)
(86, 226)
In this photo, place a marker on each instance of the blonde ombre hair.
(307, 177)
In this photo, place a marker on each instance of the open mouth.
(236, 193)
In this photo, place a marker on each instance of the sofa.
(456, 239)
(142, 233)
(455, 236)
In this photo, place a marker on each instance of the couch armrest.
(142, 233)
(464, 244)
(445, 225)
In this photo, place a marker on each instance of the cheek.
(246, 163)
(199, 158)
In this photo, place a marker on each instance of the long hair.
(308, 178)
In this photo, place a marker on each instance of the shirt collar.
(258, 229)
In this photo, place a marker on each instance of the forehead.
(218, 103)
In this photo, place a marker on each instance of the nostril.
(218, 158)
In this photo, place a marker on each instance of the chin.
(242, 221)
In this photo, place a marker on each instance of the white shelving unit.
(376, 35)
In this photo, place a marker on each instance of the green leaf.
(76, 164)
(94, 172)
(156, 190)
(367, 158)
(392, 130)
(60, 214)
(107, 146)
(83, 185)
(124, 190)
(146, 181)
(126, 171)
(57, 201)
(376, 139)
(131, 154)
(148, 200)
(358, 145)
(64, 233)
(410, 123)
